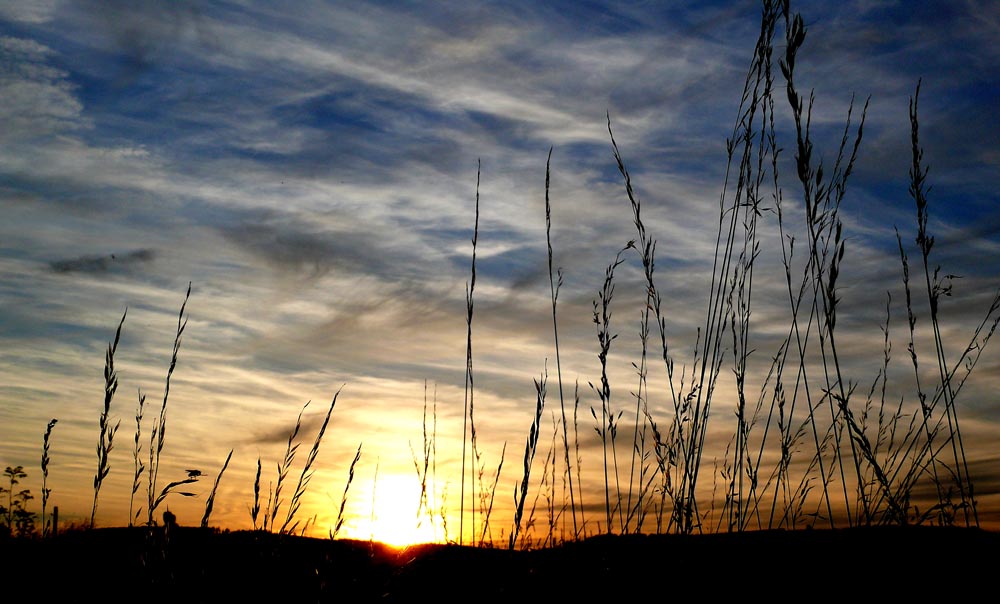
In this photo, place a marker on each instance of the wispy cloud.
(39, 99)
(104, 264)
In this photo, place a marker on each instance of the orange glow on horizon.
(392, 514)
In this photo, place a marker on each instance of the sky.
(310, 168)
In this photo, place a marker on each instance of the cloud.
(142, 34)
(308, 426)
(37, 11)
(334, 242)
(112, 263)
(39, 99)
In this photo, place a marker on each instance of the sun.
(393, 520)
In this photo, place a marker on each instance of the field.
(206, 566)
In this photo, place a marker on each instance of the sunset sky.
(310, 167)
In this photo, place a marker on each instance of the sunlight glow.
(393, 520)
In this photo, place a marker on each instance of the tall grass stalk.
(937, 287)
(255, 508)
(794, 498)
(434, 462)
(924, 454)
(882, 468)
(137, 465)
(639, 452)
(822, 202)
(210, 502)
(549, 477)
(546, 489)
(423, 505)
(530, 447)
(289, 525)
(789, 436)
(757, 151)
(274, 500)
(468, 415)
(46, 492)
(106, 440)
(581, 531)
(647, 250)
(607, 427)
(884, 460)
(731, 277)
(486, 495)
(373, 517)
(347, 487)
(555, 283)
(485, 535)
(158, 435)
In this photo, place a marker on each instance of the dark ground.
(884, 564)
